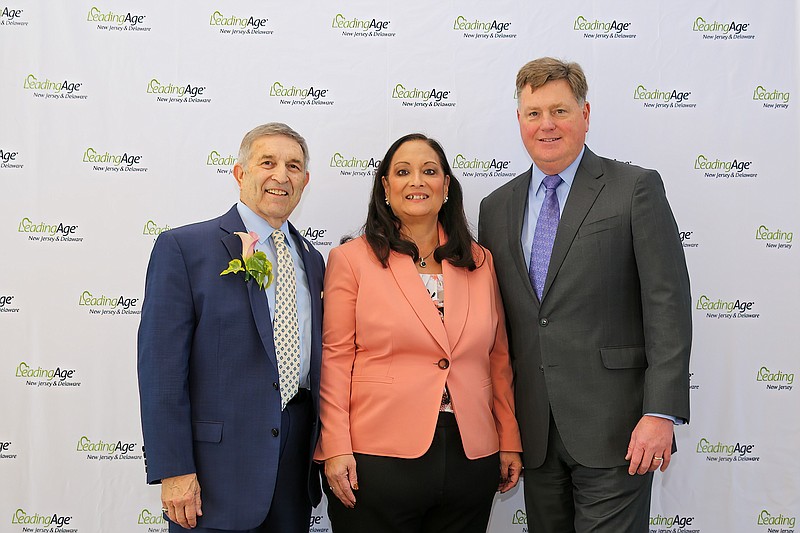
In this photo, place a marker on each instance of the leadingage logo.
(222, 163)
(151, 518)
(314, 524)
(153, 229)
(107, 162)
(725, 308)
(53, 521)
(104, 305)
(8, 159)
(472, 167)
(672, 521)
(721, 452)
(775, 380)
(177, 93)
(111, 21)
(235, 25)
(724, 168)
(354, 166)
(776, 238)
(765, 518)
(48, 89)
(5, 451)
(721, 31)
(662, 99)
(315, 236)
(602, 29)
(686, 239)
(415, 97)
(106, 451)
(293, 95)
(520, 518)
(7, 304)
(45, 232)
(10, 17)
(361, 28)
(773, 99)
(46, 377)
(483, 29)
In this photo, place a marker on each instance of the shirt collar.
(253, 222)
(568, 174)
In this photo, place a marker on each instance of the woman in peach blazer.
(416, 400)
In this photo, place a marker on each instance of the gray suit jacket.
(610, 340)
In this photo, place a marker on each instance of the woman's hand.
(510, 469)
(342, 479)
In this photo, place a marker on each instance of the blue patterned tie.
(544, 235)
(285, 329)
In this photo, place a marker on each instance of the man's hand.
(510, 469)
(342, 479)
(650, 446)
(180, 496)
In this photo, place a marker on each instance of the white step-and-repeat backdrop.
(121, 119)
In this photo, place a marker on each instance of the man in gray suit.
(598, 308)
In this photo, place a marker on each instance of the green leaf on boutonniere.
(259, 268)
(234, 267)
(256, 265)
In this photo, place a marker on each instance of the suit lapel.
(408, 280)
(582, 195)
(516, 214)
(230, 223)
(456, 302)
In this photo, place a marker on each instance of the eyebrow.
(271, 157)
(424, 163)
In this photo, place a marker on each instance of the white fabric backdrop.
(121, 119)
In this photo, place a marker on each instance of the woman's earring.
(386, 200)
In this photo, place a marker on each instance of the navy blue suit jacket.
(208, 372)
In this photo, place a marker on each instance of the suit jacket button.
(541, 367)
(543, 322)
(275, 432)
(443, 363)
(275, 385)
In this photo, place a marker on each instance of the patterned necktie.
(544, 235)
(285, 330)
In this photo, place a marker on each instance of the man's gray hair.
(271, 128)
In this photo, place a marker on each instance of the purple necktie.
(544, 235)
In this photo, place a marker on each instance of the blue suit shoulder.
(195, 230)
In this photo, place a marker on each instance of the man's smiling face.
(553, 125)
(272, 180)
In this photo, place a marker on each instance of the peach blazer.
(387, 355)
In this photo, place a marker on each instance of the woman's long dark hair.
(382, 228)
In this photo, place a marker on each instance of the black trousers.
(440, 492)
(290, 510)
(562, 496)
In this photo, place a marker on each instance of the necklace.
(422, 262)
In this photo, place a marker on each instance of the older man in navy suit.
(229, 367)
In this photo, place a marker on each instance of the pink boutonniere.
(255, 266)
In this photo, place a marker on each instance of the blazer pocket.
(598, 226)
(207, 431)
(373, 379)
(620, 357)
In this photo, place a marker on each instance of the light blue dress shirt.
(253, 222)
(536, 193)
